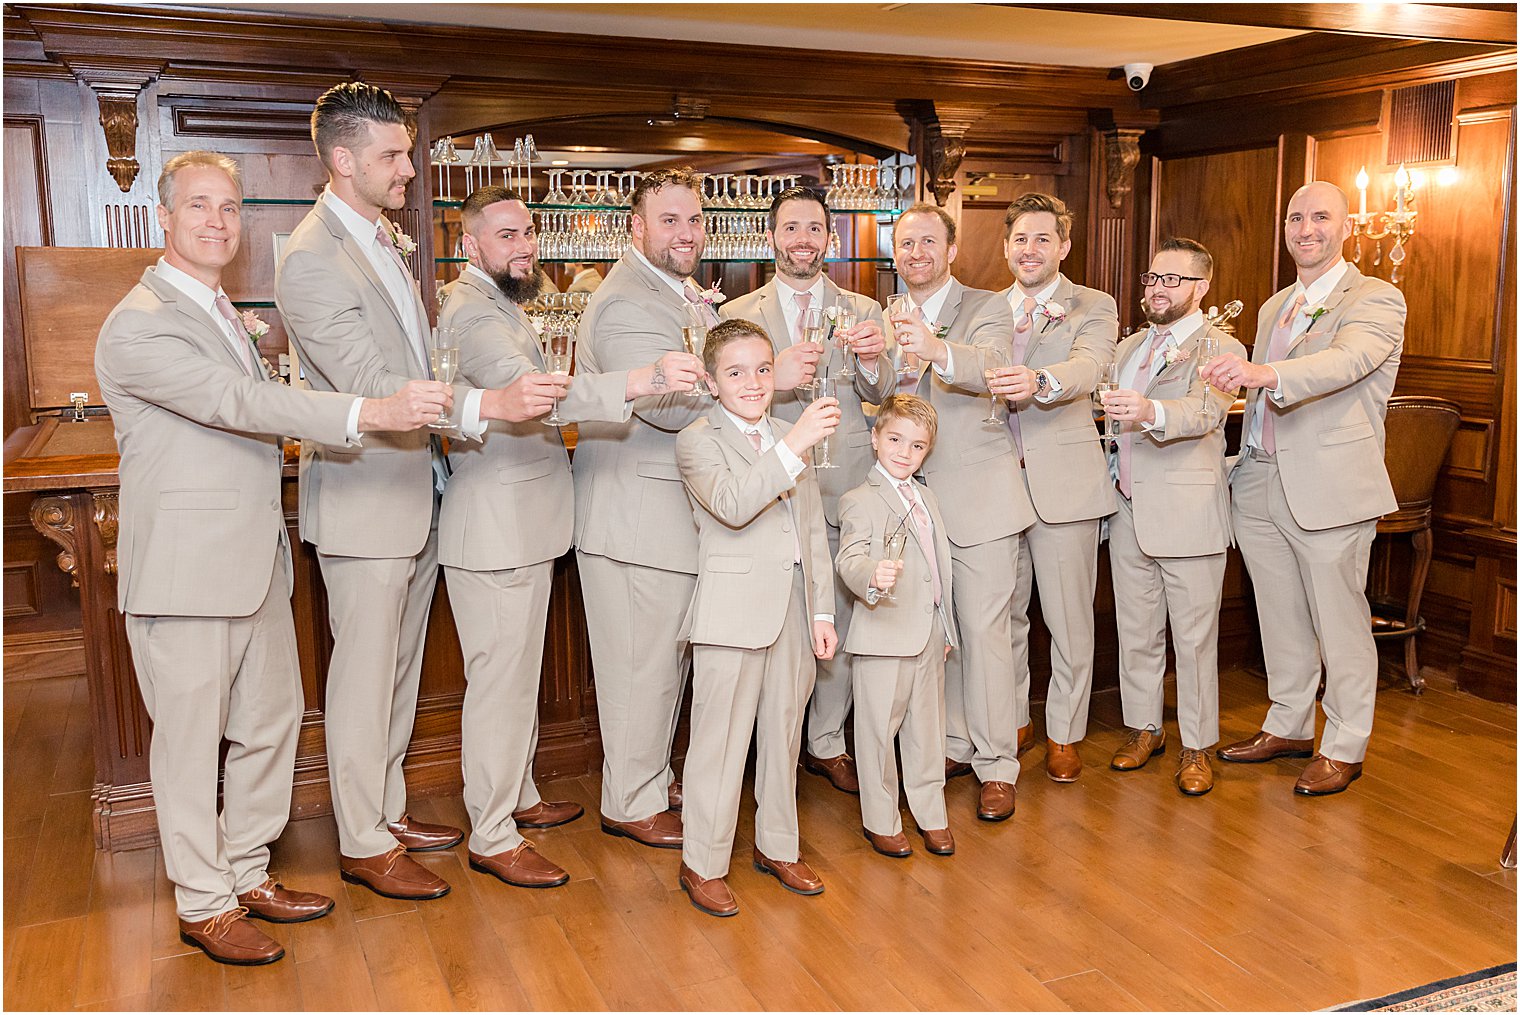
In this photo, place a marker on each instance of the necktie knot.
(804, 300)
(1293, 309)
(754, 439)
(225, 308)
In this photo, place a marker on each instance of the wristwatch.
(1041, 383)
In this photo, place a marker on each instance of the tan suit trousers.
(903, 698)
(981, 724)
(633, 617)
(1062, 559)
(1311, 601)
(378, 608)
(1147, 591)
(737, 694)
(830, 704)
(205, 679)
(500, 616)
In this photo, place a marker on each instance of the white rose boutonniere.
(1053, 313)
(256, 326)
(1316, 312)
(1175, 355)
(712, 297)
(405, 245)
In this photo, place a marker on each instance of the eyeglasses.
(1169, 281)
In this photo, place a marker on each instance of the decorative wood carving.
(117, 83)
(1121, 153)
(107, 506)
(54, 518)
(938, 143)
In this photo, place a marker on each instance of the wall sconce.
(1398, 224)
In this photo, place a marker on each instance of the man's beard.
(519, 290)
(666, 262)
(791, 269)
(1161, 318)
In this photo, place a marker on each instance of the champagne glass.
(993, 419)
(812, 326)
(824, 386)
(907, 363)
(1208, 348)
(443, 357)
(844, 320)
(1108, 381)
(559, 353)
(894, 543)
(693, 337)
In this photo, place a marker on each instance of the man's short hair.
(912, 408)
(482, 198)
(726, 333)
(797, 194)
(214, 160)
(1034, 202)
(657, 180)
(925, 208)
(1203, 261)
(343, 114)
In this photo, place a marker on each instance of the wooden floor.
(1112, 893)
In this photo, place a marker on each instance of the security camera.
(1137, 75)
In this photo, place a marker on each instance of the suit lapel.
(732, 435)
(1183, 362)
(773, 315)
(204, 326)
(522, 328)
(1259, 350)
(1347, 283)
(1040, 331)
(359, 257)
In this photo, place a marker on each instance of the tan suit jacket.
(1335, 384)
(629, 502)
(903, 625)
(374, 501)
(850, 446)
(201, 523)
(510, 501)
(745, 574)
(1180, 493)
(1068, 475)
(974, 468)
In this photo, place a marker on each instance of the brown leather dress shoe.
(274, 902)
(663, 831)
(1325, 776)
(997, 801)
(522, 867)
(938, 841)
(1195, 773)
(895, 846)
(421, 837)
(839, 770)
(673, 796)
(229, 938)
(1026, 739)
(795, 876)
(1139, 747)
(955, 769)
(1264, 747)
(548, 814)
(1062, 762)
(710, 895)
(393, 875)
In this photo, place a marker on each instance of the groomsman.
(635, 538)
(507, 516)
(958, 335)
(356, 317)
(1309, 487)
(1167, 542)
(798, 231)
(206, 577)
(1063, 338)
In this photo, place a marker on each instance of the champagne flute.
(559, 354)
(993, 419)
(693, 337)
(812, 326)
(907, 363)
(1108, 381)
(1208, 348)
(824, 386)
(844, 320)
(894, 543)
(443, 357)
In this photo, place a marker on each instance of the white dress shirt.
(931, 308)
(789, 308)
(1181, 330)
(1314, 294)
(1016, 297)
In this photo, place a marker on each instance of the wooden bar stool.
(1419, 432)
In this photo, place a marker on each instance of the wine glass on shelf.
(1208, 348)
(559, 355)
(443, 358)
(844, 320)
(824, 386)
(893, 544)
(992, 418)
(693, 337)
(1108, 381)
(556, 195)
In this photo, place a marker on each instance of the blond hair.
(184, 160)
(911, 408)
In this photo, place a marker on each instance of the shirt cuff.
(867, 373)
(1159, 423)
(793, 465)
(948, 373)
(1051, 393)
(470, 423)
(352, 429)
(827, 618)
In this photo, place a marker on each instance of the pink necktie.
(694, 297)
(925, 533)
(1141, 380)
(244, 346)
(754, 440)
(804, 300)
(1021, 334)
(1277, 348)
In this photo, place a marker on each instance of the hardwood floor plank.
(401, 963)
(41, 964)
(468, 950)
(58, 885)
(121, 904)
(726, 993)
(616, 960)
(548, 967)
(1092, 991)
(189, 982)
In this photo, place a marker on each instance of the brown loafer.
(795, 876)
(393, 875)
(1195, 773)
(710, 895)
(548, 813)
(1325, 776)
(938, 841)
(997, 801)
(673, 796)
(1026, 739)
(1139, 747)
(231, 939)
(1264, 747)
(839, 770)
(955, 769)
(663, 831)
(1062, 762)
(274, 902)
(895, 846)
(421, 837)
(522, 867)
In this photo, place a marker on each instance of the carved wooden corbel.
(937, 139)
(54, 518)
(117, 85)
(1121, 153)
(107, 511)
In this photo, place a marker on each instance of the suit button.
(275, 504)
(929, 608)
(787, 566)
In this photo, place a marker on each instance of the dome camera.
(1137, 75)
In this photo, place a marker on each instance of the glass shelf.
(254, 304)
(539, 206)
(291, 201)
(705, 260)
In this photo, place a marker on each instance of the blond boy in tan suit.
(1166, 544)
(904, 628)
(758, 618)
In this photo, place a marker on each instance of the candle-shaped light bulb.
(1400, 186)
(1361, 186)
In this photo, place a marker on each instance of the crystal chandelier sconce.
(1396, 225)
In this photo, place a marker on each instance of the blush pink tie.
(244, 347)
(1277, 349)
(804, 300)
(1021, 334)
(1141, 381)
(925, 533)
(694, 297)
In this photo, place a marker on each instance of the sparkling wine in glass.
(443, 357)
(693, 337)
(1108, 381)
(824, 387)
(844, 320)
(907, 363)
(812, 326)
(1208, 348)
(894, 543)
(559, 354)
(993, 419)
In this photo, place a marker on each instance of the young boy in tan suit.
(900, 632)
(755, 626)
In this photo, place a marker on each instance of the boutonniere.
(941, 330)
(713, 296)
(1175, 355)
(256, 326)
(405, 245)
(1053, 312)
(1316, 312)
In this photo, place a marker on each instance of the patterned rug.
(1486, 990)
